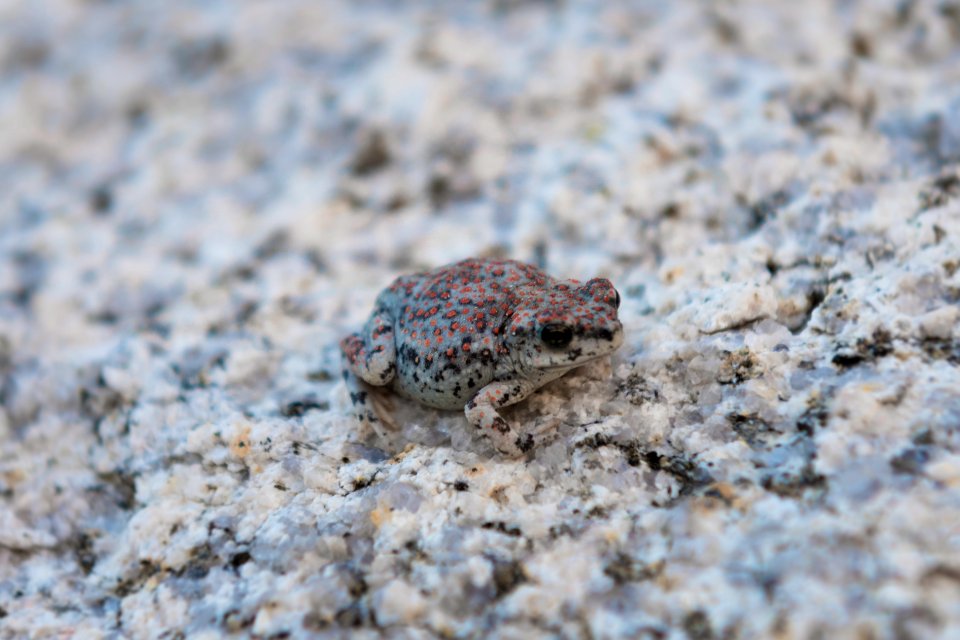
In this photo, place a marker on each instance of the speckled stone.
(199, 200)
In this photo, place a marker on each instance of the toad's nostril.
(605, 334)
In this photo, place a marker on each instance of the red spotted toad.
(479, 335)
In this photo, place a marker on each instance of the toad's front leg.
(481, 412)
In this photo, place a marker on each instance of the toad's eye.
(616, 302)
(556, 335)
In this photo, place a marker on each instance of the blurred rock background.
(197, 199)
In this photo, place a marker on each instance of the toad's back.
(449, 327)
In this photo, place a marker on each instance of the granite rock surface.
(198, 199)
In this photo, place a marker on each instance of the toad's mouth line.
(572, 365)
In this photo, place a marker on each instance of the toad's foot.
(371, 406)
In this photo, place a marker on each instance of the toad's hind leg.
(372, 353)
(369, 363)
(370, 406)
